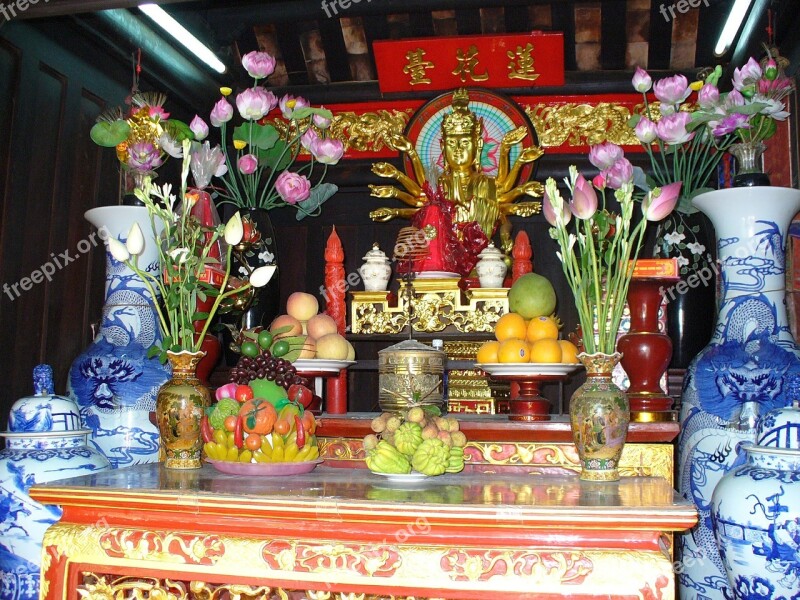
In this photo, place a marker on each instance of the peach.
(332, 346)
(284, 321)
(320, 325)
(309, 349)
(302, 306)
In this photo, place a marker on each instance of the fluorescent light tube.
(732, 25)
(182, 35)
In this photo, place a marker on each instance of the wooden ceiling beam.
(60, 8)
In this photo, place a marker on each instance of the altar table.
(152, 533)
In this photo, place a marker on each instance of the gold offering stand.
(440, 306)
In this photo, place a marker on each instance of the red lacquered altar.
(339, 533)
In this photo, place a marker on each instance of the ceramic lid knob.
(45, 411)
(42, 380)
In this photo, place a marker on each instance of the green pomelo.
(532, 296)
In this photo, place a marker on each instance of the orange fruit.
(513, 351)
(487, 353)
(546, 351)
(542, 328)
(510, 326)
(569, 352)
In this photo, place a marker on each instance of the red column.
(336, 398)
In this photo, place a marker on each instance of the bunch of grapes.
(266, 366)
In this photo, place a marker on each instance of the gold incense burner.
(410, 374)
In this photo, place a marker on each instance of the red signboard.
(492, 61)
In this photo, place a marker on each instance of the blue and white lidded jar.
(44, 443)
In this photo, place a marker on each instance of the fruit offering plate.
(321, 365)
(529, 369)
(264, 469)
(404, 478)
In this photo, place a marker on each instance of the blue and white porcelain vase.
(742, 373)
(113, 381)
(756, 513)
(45, 442)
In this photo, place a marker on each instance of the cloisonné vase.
(742, 373)
(179, 408)
(113, 381)
(599, 415)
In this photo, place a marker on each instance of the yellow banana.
(245, 456)
(232, 454)
(290, 452)
(277, 454)
(262, 457)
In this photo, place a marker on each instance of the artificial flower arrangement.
(259, 176)
(143, 137)
(596, 255)
(692, 136)
(187, 249)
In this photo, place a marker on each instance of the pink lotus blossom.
(254, 103)
(221, 113)
(288, 104)
(327, 151)
(672, 128)
(708, 96)
(199, 128)
(308, 138)
(550, 211)
(292, 188)
(619, 173)
(247, 164)
(658, 205)
(731, 123)
(258, 64)
(584, 199)
(604, 155)
(672, 90)
(645, 131)
(747, 75)
(157, 113)
(642, 82)
(320, 121)
(144, 156)
(734, 98)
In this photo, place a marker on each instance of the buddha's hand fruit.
(407, 438)
(456, 461)
(385, 458)
(432, 457)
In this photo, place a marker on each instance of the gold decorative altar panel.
(338, 534)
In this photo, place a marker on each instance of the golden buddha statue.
(478, 197)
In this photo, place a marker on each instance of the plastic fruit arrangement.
(415, 440)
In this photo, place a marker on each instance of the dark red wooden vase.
(646, 352)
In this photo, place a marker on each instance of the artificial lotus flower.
(320, 121)
(253, 103)
(258, 64)
(199, 128)
(672, 90)
(661, 202)
(672, 129)
(289, 104)
(135, 242)
(234, 230)
(583, 203)
(292, 187)
(618, 174)
(247, 164)
(604, 155)
(645, 131)
(262, 275)
(328, 151)
(708, 97)
(642, 82)
(117, 249)
(221, 113)
(555, 211)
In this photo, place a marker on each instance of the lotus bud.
(234, 230)
(261, 276)
(135, 242)
(584, 199)
(661, 202)
(641, 80)
(118, 250)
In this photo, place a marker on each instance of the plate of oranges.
(520, 341)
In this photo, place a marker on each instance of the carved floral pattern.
(366, 560)
(569, 568)
(172, 547)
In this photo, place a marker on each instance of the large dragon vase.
(113, 381)
(743, 371)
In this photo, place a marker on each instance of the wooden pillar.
(336, 307)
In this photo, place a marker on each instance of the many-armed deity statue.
(478, 197)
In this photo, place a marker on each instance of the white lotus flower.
(118, 250)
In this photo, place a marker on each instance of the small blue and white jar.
(44, 443)
(755, 510)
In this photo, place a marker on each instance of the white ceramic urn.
(491, 267)
(376, 270)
